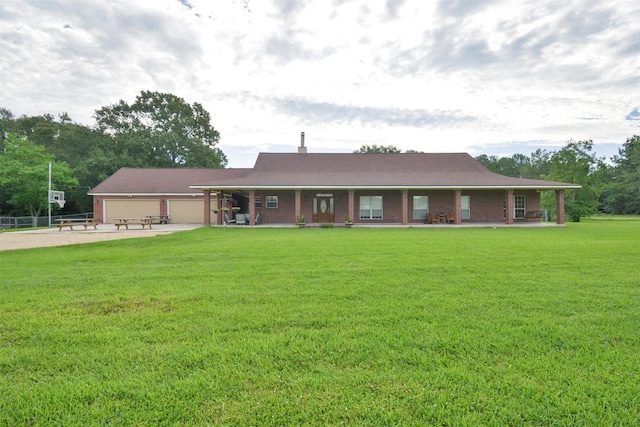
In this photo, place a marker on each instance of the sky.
(495, 77)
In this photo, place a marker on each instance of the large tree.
(161, 130)
(24, 175)
(577, 163)
(87, 151)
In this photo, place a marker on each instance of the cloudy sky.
(482, 76)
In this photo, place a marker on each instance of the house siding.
(486, 206)
(285, 212)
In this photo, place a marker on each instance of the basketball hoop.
(57, 197)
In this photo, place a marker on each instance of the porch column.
(510, 207)
(220, 213)
(252, 207)
(297, 205)
(559, 206)
(207, 208)
(351, 205)
(405, 207)
(458, 204)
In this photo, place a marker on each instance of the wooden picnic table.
(159, 219)
(130, 221)
(70, 222)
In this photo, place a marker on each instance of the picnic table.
(159, 219)
(70, 222)
(120, 222)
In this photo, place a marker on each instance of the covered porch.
(379, 207)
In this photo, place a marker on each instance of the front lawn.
(336, 326)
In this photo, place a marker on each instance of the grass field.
(376, 327)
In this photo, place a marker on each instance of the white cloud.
(452, 75)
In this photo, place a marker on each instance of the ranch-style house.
(327, 188)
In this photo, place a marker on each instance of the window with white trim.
(370, 207)
(271, 201)
(465, 207)
(519, 206)
(420, 207)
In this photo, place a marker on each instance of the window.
(258, 202)
(519, 207)
(465, 205)
(370, 207)
(420, 207)
(272, 201)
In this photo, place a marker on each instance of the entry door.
(323, 209)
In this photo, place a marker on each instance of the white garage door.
(130, 209)
(187, 211)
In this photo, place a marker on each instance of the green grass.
(326, 327)
(612, 217)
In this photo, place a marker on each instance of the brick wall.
(486, 206)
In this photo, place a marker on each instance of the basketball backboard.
(57, 197)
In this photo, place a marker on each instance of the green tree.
(6, 122)
(576, 163)
(24, 175)
(508, 166)
(378, 149)
(624, 197)
(87, 151)
(161, 130)
(538, 165)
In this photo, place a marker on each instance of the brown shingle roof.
(161, 181)
(356, 170)
(323, 170)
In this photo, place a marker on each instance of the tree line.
(158, 130)
(607, 187)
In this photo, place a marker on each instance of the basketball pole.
(49, 192)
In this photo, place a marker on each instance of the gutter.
(144, 194)
(387, 187)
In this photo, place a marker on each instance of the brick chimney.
(302, 149)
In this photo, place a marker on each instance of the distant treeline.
(608, 187)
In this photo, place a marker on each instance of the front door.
(323, 209)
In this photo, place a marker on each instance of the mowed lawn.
(244, 326)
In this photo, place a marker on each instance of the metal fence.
(7, 222)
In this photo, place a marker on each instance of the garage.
(186, 211)
(140, 192)
(130, 209)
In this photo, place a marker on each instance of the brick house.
(400, 189)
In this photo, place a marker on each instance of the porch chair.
(451, 218)
(227, 220)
